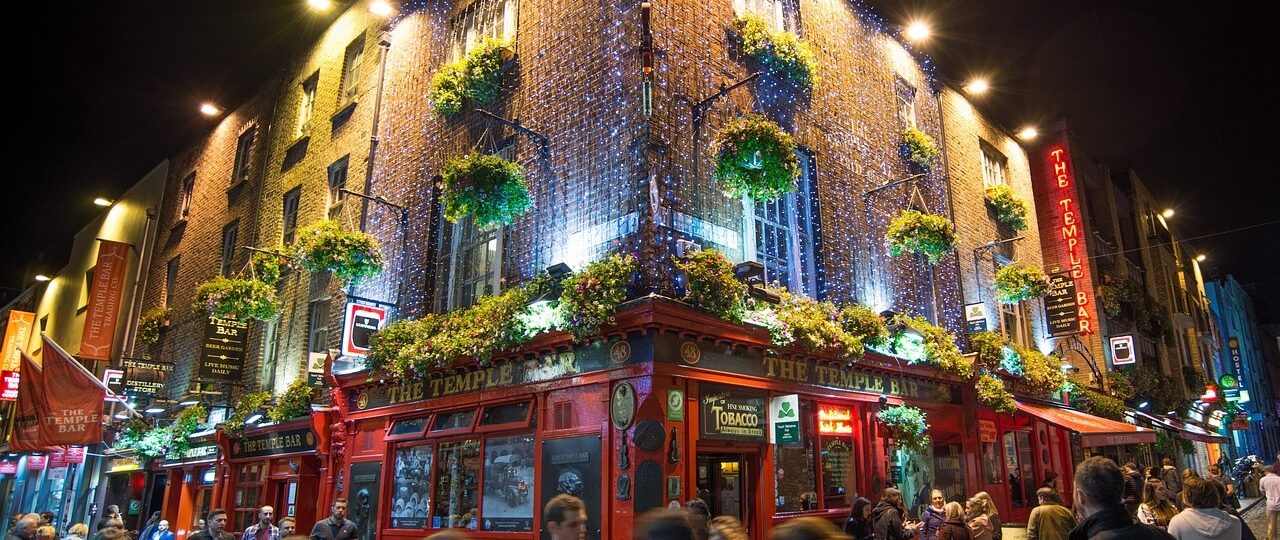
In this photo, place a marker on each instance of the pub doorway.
(727, 483)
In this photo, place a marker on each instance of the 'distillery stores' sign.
(272, 444)
(732, 413)
(222, 353)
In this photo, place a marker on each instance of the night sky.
(1179, 91)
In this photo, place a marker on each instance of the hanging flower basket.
(1016, 282)
(237, 298)
(151, 324)
(352, 256)
(930, 235)
(1010, 210)
(907, 425)
(474, 77)
(592, 295)
(486, 186)
(918, 148)
(935, 348)
(755, 158)
(245, 406)
(294, 403)
(993, 395)
(710, 284)
(778, 50)
(267, 267)
(1043, 373)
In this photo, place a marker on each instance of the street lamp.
(209, 109)
(1028, 133)
(1167, 213)
(319, 5)
(381, 8)
(103, 201)
(977, 87)
(43, 278)
(1201, 257)
(917, 31)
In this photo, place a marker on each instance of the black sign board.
(197, 452)
(144, 378)
(573, 466)
(1060, 308)
(273, 444)
(732, 413)
(222, 352)
(362, 504)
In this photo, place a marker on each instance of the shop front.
(279, 466)
(1198, 446)
(189, 485)
(125, 480)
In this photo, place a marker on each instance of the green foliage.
(710, 284)
(755, 158)
(779, 50)
(1016, 282)
(486, 186)
(993, 394)
(267, 266)
(908, 426)
(1157, 388)
(990, 349)
(151, 323)
(1195, 379)
(1121, 384)
(938, 346)
(1164, 446)
(930, 235)
(245, 406)
(169, 441)
(474, 77)
(1151, 317)
(1010, 210)
(352, 256)
(294, 402)
(1097, 404)
(592, 295)
(237, 298)
(864, 324)
(818, 327)
(1042, 373)
(919, 148)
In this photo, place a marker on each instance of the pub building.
(671, 404)
(189, 484)
(276, 465)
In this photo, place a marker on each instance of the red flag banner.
(26, 424)
(74, 401)
(104, 301)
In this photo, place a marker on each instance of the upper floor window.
(337, 182)
(307, 102)
(170, 280)
(481, 19)
(471, 257)
(188, 192)
(780, 14)
(1015, 323)
(906, 102)
(783, 234)
(240, 172)
(318, 327)
(351, 62)
(993, 167)
(229, 234)
(291, 200)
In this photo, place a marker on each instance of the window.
(481, 19)
(337, 182)
(457, 480)
(307, 103)
(796, 490)
(470, 256)
(269, 353)
(351, 70)
(783, 234)
(1018, 465)
(780, 14)
(1015, 323)
(229, 246)
(290, 214)
(407, 428)
(508, 479)
(993, 167)
(188, 189)
(412, 503)
(240, 173)
(454, 420)
(318, 333)
(248, 495)
(170, 281)
(87, 290)
(509, 413)
(906, 102)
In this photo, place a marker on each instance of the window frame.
(803, 262)
(289, 221)
(227, 262)
(783, 15)
(429, 419)
(352, 64)
(187, 196)
(171, 270)
(334, 197)
(313, 329)
(307, 103)
(993, 161)
(240, 170)
(905, 95)
(481, 427)
(450, 432)
(460, 33)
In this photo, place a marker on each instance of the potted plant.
(474, 77)
(907, 425)
(267, 267)
(1016, 282)
(151, 324)
(779, 50)
(237, 298)
(993, 394)
(486, 186)
(294, 403)
(918, 149)
(710, 284)
(1009, 209)
(352, 256)
(755, 158)
(911, 231)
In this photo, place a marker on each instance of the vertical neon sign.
(1070, 233)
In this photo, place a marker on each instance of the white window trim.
(796, 281)
(455, 263)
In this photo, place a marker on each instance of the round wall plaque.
(622, 406)
(649, 435)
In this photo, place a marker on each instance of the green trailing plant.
(245, 406)
(267, 267)
(295, 402)
(352, 256)
(907, 425)
(1042, 373)
(1195, 379)
(1097, 404)
(1151, 317)
(237, 298)
(919, 148)
(1016, 282)
(485, 186)
(130, 433)
(1188, 447)
(474, 77)
(1010, 210)
(591, 296)
(1121, 384)
(755, 158)
(1164, 446)
(710, 284)
(779, 50)
(815, 325)
(990, 349)
(936, 348)
(151, 324)
(168, 441)
(911, 231)
(993, 394)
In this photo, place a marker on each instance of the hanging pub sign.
(1060, 310)
(975, 317)
(273, 444)
(732, 413)
(198, 452)
(835, 420)
(1230, 386)
(784, 419)
(1122, 351)
(37, 462)
(104, 300)
(144, 378)
(73, 455)
(361, 321)
(222, 352)
(316, 362)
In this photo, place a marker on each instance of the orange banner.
(104, 301)
(16, 335)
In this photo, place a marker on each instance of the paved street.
(1256, 518)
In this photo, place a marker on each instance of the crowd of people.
(1110, 503)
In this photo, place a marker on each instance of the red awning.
(1183, 429)
(1093, 431)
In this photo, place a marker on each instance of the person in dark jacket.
(1172, 479)
(888, 518)
(859, 524)
(1099, 486)
(1245, 532)
(1132, 488)
(933, 516)
(954, 527)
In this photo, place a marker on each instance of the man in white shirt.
(1270, 487)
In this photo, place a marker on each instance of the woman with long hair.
(1156, 508)
(933, 515)
(989, 510)
(954, 527)
(859, 524)
(888, 519)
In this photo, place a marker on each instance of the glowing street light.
(1167, 213)
(209, 109)
(103, 201)
(381, 8)
(43, 278)
(917, 31)
(319, 5)
(1201, 257)
(977, 86)
(1028, 133)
